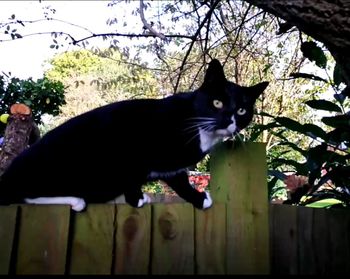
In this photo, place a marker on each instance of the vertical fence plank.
(210, 240)
(339, 241)
(173, 239)
(133, 240)
(320, 240)
(305, 231)
(239, 177)
(92, 240)
(43, 236)
(284, 239)
(7, 230)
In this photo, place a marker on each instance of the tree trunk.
(20, 130)
(328, 21)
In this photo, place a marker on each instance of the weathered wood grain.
(43, 237)
(210, 240)
(339, 241)
(284, 239)
(173, 239)
(239, 177)
(92, 240)
(133, 240)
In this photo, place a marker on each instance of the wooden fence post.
(239, 179)
(7, 231)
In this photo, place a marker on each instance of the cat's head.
(223, 107)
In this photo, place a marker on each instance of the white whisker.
(199, 125)
(205, 127)
(200, 118)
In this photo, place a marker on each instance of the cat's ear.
(214, 75)
(257, 89)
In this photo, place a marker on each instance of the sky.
(26, 57)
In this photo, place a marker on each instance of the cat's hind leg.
(77, 204)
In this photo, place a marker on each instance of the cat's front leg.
(180, 184)
(136, 198)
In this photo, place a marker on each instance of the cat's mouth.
(223, 133)
(229, 131)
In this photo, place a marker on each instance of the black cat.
(115, 149)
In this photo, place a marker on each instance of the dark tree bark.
(20, 132)
(327, 21)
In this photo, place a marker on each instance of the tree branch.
(147, 25)
(207, 16)
(324, 20)
(76, 41)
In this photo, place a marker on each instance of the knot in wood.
(167, 225)
(130, 227)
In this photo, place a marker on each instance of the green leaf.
(300, 168)
(337, 121)
(262, 113)
(290, 124)
(323, 105)
(337, 75)
(314, 53)
(278, 174)
(284, 27)
(307, 76)
(339, 135)
(324, 203)
(315, 131)
(294, 147)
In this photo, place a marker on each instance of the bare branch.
(76, 41)
(23, 22)
(207, 16)
(240, 27)
(149, 26)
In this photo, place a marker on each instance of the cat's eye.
(218, 104)
(241, 111)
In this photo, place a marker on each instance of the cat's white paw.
(208, 201)
(144, 200)
(78, 204)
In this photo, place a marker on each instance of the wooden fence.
(307, 240)
(240, 234)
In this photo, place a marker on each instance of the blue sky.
(25, 58)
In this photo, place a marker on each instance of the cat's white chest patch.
(207, 140)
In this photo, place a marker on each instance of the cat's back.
(116, 126)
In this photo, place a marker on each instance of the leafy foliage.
(324, 164)
(314, 53)
(42, 96)
(97, 78)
